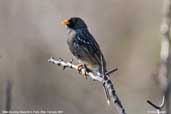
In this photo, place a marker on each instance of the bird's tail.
(106, 93)
(103, 71)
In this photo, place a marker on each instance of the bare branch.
(155, 106)
(60, 62)
(8, 95)
(105, 80)
(165, 54)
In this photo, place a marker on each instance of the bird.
(84, 47)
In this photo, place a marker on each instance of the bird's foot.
(85, 75)
(80, 67)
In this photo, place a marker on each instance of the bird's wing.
(89, 45)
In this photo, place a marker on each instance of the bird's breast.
(71, 42)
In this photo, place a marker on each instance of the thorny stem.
(105, 80)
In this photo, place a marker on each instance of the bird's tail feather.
(103, 70)
(106, 93)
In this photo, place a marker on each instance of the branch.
(98, 77)
(165, 54)
(155, 106)
(8, 95)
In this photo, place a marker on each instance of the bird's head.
(75, 23)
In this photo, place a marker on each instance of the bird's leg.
(87, 70)
(81, 66)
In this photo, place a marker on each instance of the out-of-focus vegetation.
(30, 32)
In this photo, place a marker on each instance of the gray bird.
(84, 47)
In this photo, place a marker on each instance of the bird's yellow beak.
(65, 22)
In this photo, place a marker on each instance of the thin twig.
(111, 71)
(96, 77)
(155, 106)
(8, 95)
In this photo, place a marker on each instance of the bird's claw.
(80, 67)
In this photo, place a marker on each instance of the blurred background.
(30, 33)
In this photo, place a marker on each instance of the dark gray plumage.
(83, 46)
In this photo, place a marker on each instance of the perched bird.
(84, 47)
